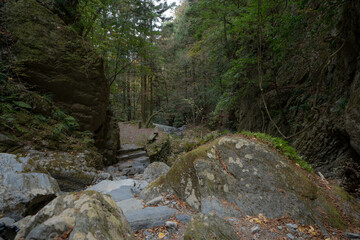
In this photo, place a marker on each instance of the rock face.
(56, 60)
(236, 176)
(331, 146)
(108, 140)
(209, 226)
(155, 170)
(79, 216)
(23, 191)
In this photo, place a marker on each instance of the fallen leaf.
(161, 235)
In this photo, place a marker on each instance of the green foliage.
(22, 104)
(282, 146)
(70, 123)
(56, 133)
(59, 114)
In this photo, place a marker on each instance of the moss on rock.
(254, 178)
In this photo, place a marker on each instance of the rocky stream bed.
(230, 188)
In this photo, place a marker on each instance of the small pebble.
(280, 227)
(293, 227)
(289, 235)
(154, 201)
(171, 224)
(255, 229)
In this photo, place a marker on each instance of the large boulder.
(73, 171)
(236, 176)
(78, 216)
(23, 191)
(155, 170)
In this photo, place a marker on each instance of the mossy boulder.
(73, 171)
(236, 176)
(56, 60)
(78, 216)
(159, 151)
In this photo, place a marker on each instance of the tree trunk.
(128, 87)
(143, 99)
(151, 95)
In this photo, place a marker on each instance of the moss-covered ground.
(31, 118)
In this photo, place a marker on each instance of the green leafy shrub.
(22, 104)
(282, 146)
(59, 114)
(70, 123)
(56, 133)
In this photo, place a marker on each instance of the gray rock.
(22, 191)
(138, 154)
(121, 193)
(280, 227)
(149, 217)
(107, 186)
(352, 235)
(155, 201)
(210, 204)
(89, 214)
(7, 221)
(155, 170)
(289, 235)
(126, 148)
(23, 222)
(183, 218)
(209, 226)
(130, 205)
(169, 129)
(171, 224)
(292, 227)
(255, 229)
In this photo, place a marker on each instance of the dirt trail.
(131, 133)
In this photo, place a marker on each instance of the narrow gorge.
(195, 120)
